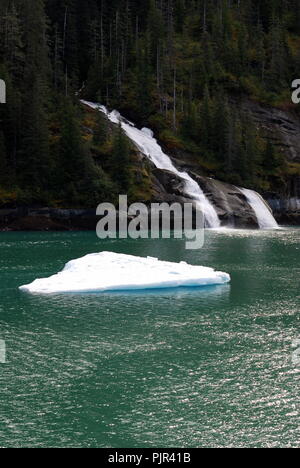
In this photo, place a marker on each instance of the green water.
(209, 367)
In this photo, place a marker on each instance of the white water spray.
(263, 213)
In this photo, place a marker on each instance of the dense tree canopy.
(178, 66)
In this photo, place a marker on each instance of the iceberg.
(108, 271)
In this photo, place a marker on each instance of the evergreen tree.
(206, 120)
(34, 164)
(191, 125)
(4, 169)
(120, 161)
(101, 130)
(13, 43)
(81, 182)
(34, 159)
(71, 151)
(268, 160)
(173, 63)
(271, 159)
(277, 48)
(221, 123)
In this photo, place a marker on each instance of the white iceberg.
(108, 271)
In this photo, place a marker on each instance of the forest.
(180, 67)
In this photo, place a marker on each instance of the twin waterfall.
(147, 144)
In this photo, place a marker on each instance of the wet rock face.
(167, 187)
(231, 204)
(283, 127)
(286, 210)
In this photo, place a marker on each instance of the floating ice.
(107, 271)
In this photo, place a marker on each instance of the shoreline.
(47, 219)
(68, 219)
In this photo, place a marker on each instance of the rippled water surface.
(216, 367)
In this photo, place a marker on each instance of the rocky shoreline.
(49, 219)
(231, 205)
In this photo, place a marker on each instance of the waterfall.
(263, 213)
(147, 144)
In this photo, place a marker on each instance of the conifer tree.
(206, 120)
(120, 161)
(71, 152)
(13, 43)
(170, 63)
(34, 159)
(4, 169)
(221, 118)
(101, 130)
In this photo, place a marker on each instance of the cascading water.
(147, 144)
(263, 213)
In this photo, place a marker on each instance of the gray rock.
(231, 205)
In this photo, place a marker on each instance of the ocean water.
(212, 367)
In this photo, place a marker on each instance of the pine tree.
(221, 117)
(206, 120)
(71, 152)
(271, 159)
(13, 43)
(80, 180)
(268, 160)
(162, 62)
(33, 162)
(120, 161)
(4, 169)
(277, 64)
(101, 130)
(191, 124)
